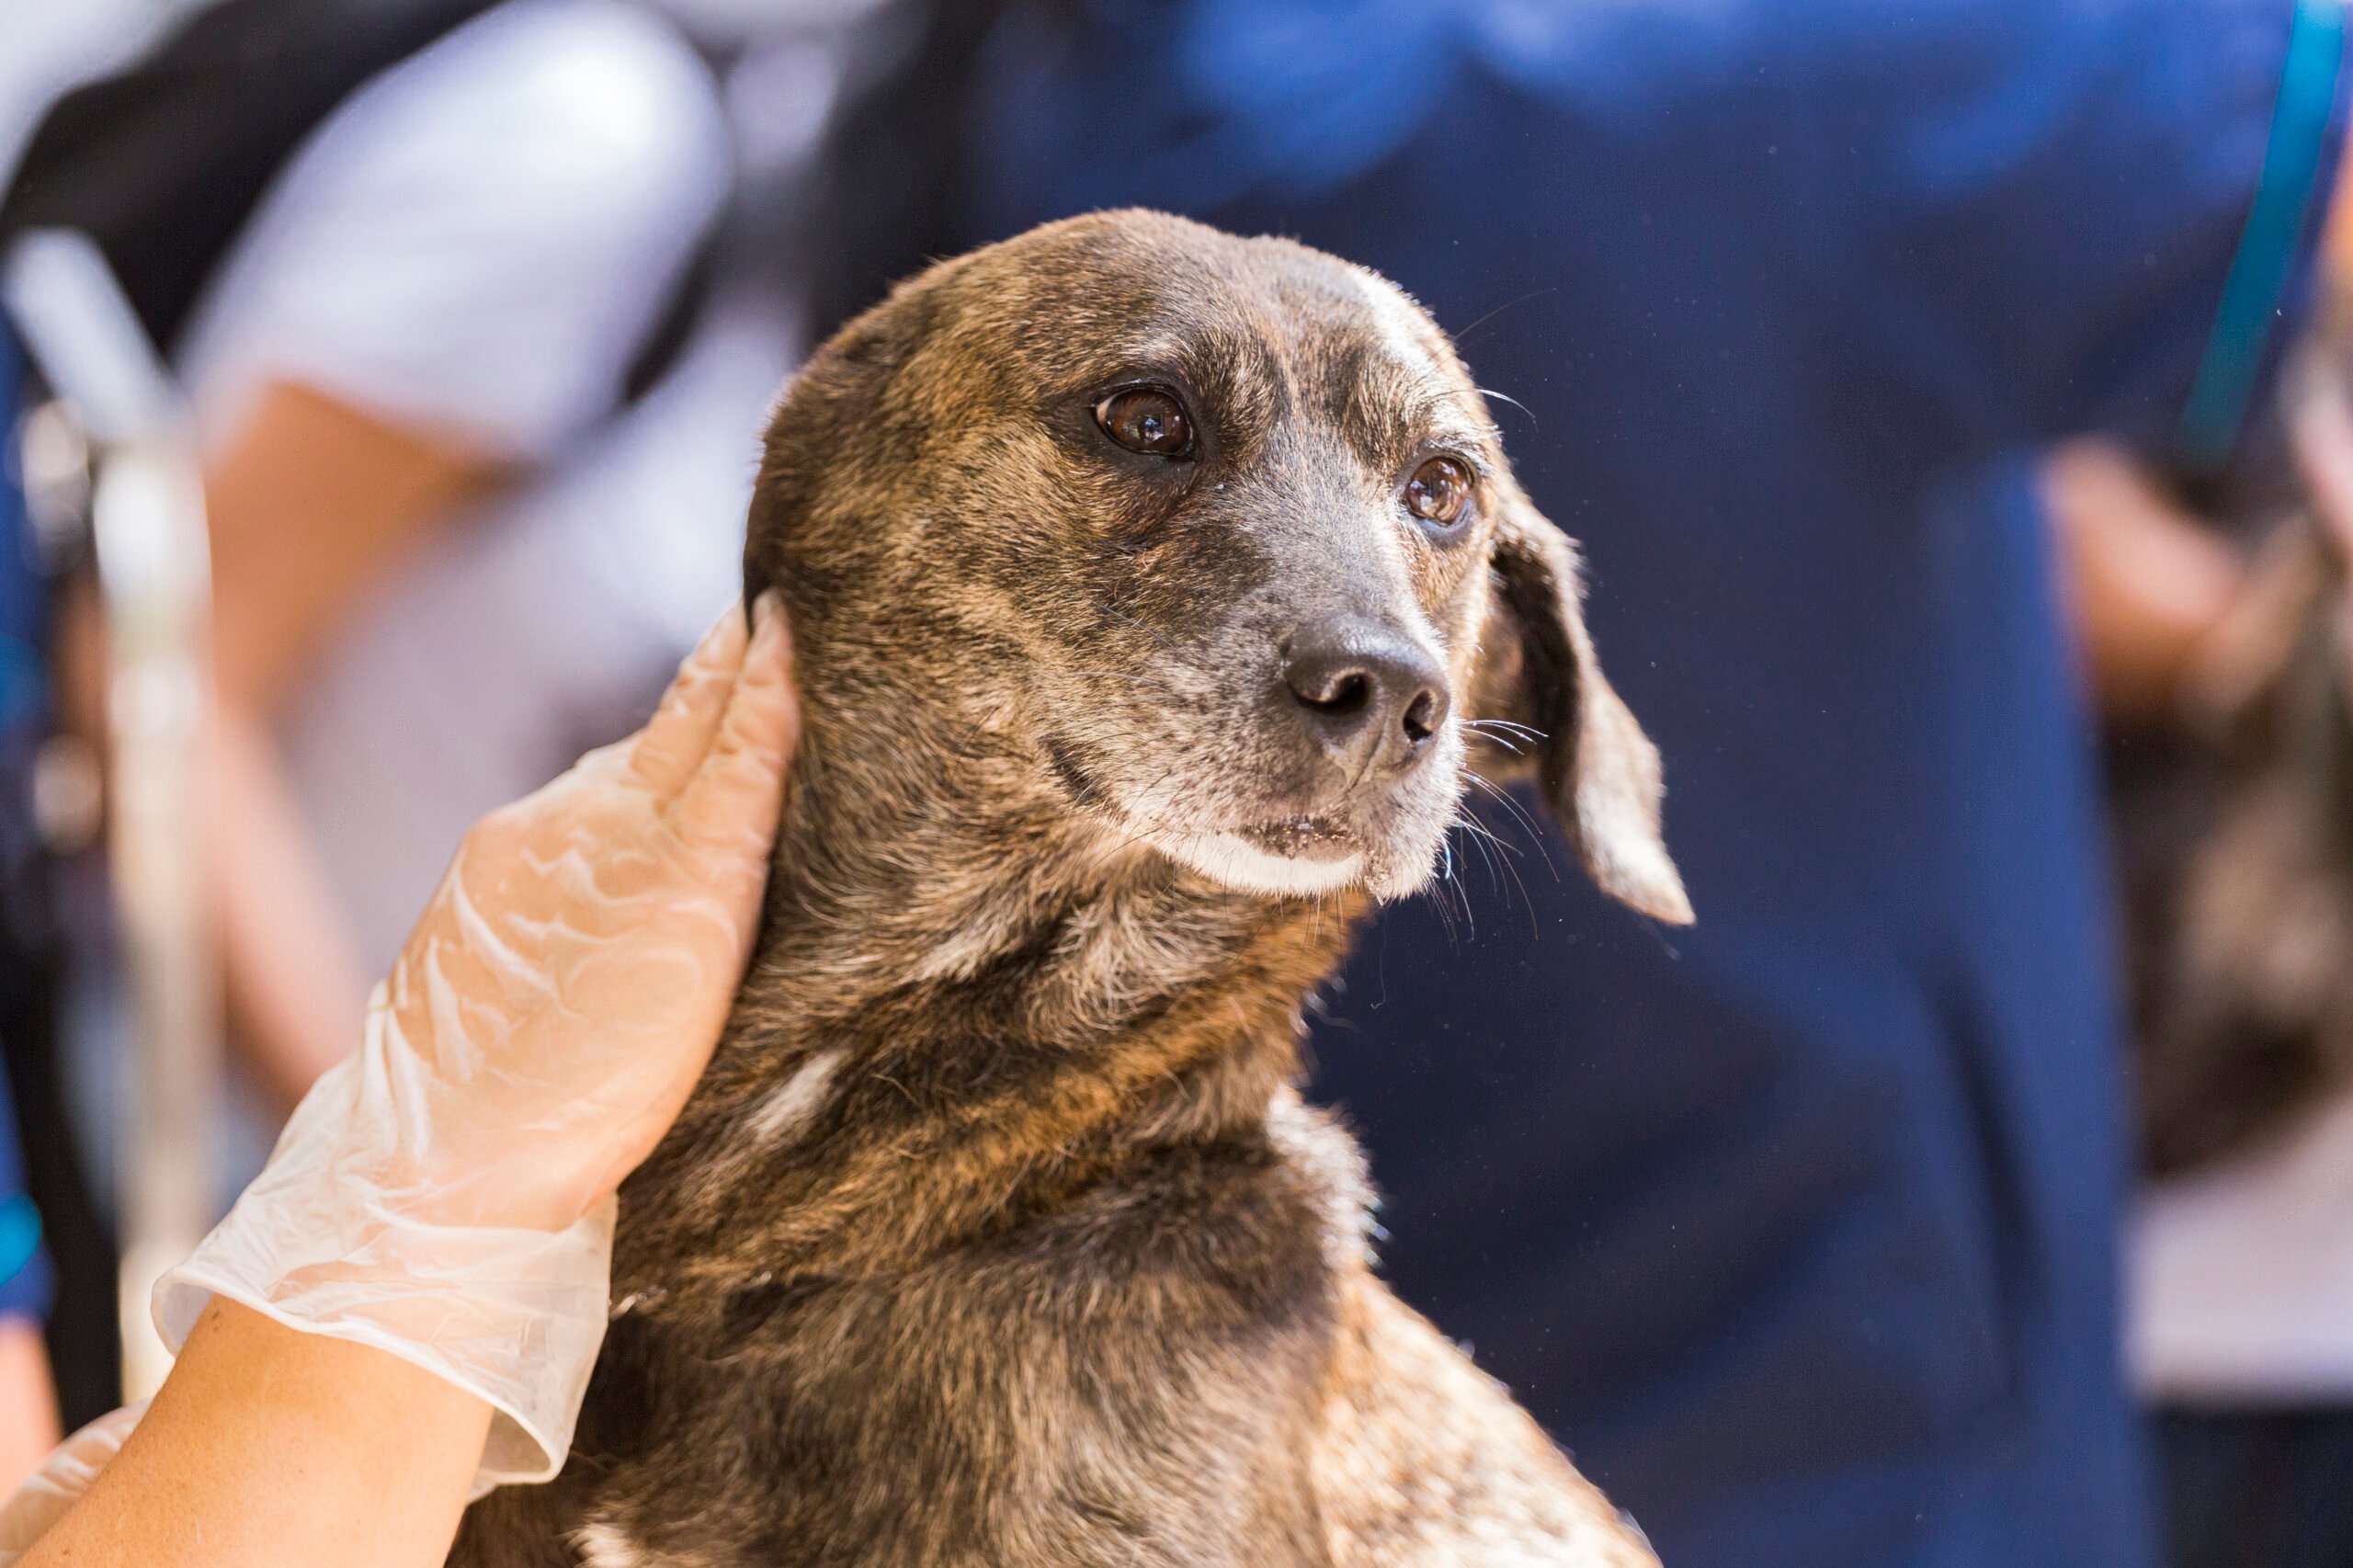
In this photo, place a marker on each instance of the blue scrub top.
(26, 1284)
(1797, 1227)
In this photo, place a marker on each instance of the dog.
(1148, 587)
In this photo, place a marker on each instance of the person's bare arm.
(311, 506)
(270, 1448)
(310, 503)
(2147, 584)
(28, 1401)
(438, 1220)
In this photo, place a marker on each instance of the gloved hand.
(42, 1500)
(445, 1194)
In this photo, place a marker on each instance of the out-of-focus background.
(1951, 400)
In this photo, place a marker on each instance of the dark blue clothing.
(1797, 1227)
(25, 1280)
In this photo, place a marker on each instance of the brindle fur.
(998, 1232)
(2243, 942)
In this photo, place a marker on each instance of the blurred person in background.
(576, 220)
(47, 49)
(479, 356)
(1800, 1229)
(427, 308)
(399, 259)
(2217, 626)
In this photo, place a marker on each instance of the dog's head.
(1215, 538)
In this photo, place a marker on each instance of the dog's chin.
(1301, 858)
(1242, 861)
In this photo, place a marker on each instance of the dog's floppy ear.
(829, 421)
(1536, 670)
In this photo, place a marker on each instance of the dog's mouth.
(1385, 839)
(1246, 858)
(1312, 839)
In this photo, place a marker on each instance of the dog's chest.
(1132, 1378)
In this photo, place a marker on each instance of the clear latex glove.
(42, 1500)
(445, 1194)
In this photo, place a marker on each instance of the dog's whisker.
(1519, 884)
(1524, 731)
(1448, 893)
(1527, 900)
(1462, 894)
(1483, 841)
(1485, 835)
(1533, 423)
(1473, 825)
(1519, 815)
(1508, 304)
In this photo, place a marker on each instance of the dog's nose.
(1370, 696)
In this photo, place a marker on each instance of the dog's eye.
(1439, 491)
(1145, 419)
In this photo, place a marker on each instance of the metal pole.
(155, 578)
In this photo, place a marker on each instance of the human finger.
(666, 755)
(736, 795)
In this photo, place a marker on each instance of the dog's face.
(1219, 533)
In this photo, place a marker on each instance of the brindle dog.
(1144, 581)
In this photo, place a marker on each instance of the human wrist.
(511, 1313)
(265, 1448)
(514, 1318)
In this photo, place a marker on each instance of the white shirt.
(476, 244)
(45, 49)
(477, 241)
(2242, 1277)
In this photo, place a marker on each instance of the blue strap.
(2292, 159)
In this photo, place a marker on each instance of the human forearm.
(28, 1402)
(266, 1447)
(296, 991)
(311, 506)
(2147, 584)
(444, 1201)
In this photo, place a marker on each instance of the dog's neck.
(968, 999)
